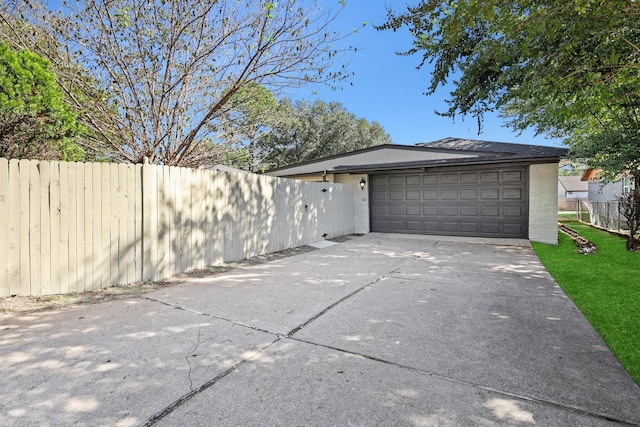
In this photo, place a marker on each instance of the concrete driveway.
(378, 330)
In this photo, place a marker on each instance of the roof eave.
(422, 165)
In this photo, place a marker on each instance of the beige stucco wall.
(360, 200)
(543, 203)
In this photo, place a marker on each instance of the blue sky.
(388, 88)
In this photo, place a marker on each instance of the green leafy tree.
(35, 123)
(564, 68)
(319, 129)
(568, 69)
(171, 68)
(93, 107)
(253, 112)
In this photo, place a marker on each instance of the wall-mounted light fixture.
(362, 184)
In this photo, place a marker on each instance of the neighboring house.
(572, 187)
(451, 186)
(599, 191)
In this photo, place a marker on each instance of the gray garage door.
(464, 202)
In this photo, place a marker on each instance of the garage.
(452, 186)
(472, 201)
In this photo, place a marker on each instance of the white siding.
(360, 201)
(543, 203)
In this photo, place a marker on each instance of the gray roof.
(481, 152)
(496, 148)
(573, 183)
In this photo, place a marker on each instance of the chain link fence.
(606, 215)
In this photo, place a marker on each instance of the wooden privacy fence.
(73, 227)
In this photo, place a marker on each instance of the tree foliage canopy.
(568, 69)
(169, 69)
(34, 120)
(254, 111)
(315, 130)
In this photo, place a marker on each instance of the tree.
(253, 111)
(171, 67)
(34, 121)
(315, 130)
(564, 68)
(629, 208)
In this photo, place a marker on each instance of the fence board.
(45, 229)
(120, 232)
(164, 222)
(200, 223)
(4, 227)
(193, 217)
(76, 223)
(65, 212)
(77, 233)
(128, 225)
(138, 227)
(150, 224)
(25, 273)
(55, 248)
(96, 227)
(114, 217)
(208, 211)
(185, 219)
(105, 235)
(14, 228)
(34, 228)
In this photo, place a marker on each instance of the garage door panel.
(379, 180)
(396, 181)
(414, 210)
(380, 195)
(396, 195)
(489, 177)
(413, 194)
(450, 179)
(469, 227)
(480, 202)
(490, 228)
(469, 194)
(490, 194)
(431, 210)
(430, 226)
(512, 194)
(430, 179)
(473, 211)
(490, 210)
(512, 211)
(396, 210)
(414, 225)
(431, 195)
(450, 194)
(450, 226)
(513, 229)
(396, 225)
(450, 210)
(413, 180)
(380, 210)
(509, 177)
(469, 178)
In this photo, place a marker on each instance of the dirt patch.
(21, 304)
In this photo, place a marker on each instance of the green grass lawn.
(605, 286)
(564, 217)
